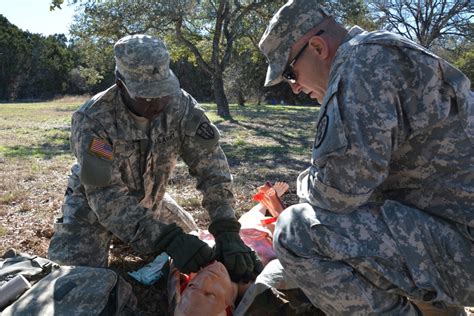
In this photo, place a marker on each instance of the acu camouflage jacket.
(124, 172)
(397, 122)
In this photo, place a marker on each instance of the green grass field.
(261, 143)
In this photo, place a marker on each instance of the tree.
(466, 64)
(13, 59)
(425, 21)
(460, 53)
(31, 65)
(49, 64)
(219, 23)
(207, 30)
(246, 74)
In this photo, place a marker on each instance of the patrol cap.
(288, 25)
(143, 61)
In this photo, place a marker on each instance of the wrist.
(167, 236)
(224, 226)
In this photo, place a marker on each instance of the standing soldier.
(127, 140)
(388, 223)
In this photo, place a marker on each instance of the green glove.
(189, 253)
(241, 261)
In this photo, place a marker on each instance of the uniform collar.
(354, 31)
(126, 127)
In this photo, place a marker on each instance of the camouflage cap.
(143, 61)
(287, 26)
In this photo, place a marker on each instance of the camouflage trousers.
(80, 240)
(377, 259)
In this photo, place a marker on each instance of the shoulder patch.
(101, 148)
(321, 131)
(205, 131)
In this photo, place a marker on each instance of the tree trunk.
(220, 97)
(240, 98)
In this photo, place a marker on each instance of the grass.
(261, 143)
(3, 231)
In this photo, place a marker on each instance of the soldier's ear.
(320, 46)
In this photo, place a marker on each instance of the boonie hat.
(288, 25)
(143, 62)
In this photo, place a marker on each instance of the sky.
(34, 16)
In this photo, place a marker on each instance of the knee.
(82, 245)
(292, 230)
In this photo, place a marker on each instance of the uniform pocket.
(128, 157)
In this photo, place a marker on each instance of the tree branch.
(179, 35)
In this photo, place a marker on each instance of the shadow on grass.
(290, 134)
(269, 156)
(45, 151)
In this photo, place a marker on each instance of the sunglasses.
(288, 73)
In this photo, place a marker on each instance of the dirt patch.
(261, 144)
(35, 161)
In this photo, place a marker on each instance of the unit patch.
(321, 131)
(101, 148)
(205, 131)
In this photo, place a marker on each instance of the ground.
(261, 142)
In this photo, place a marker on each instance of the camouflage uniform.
(122, 192)
(389, 210)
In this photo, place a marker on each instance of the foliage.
(13, 55)
(213, 44)
(461, 55)
(425, 21)
(219, 37)
(351, 12)
(466, 64)
(31, 65)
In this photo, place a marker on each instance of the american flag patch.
(101, 148)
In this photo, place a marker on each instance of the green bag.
(62, 290)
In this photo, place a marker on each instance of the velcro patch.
(101, 148)
(205, 131)
(321, 131)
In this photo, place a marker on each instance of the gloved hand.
(241, 261)
(189, 253)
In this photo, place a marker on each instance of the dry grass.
(261, 143)
(72, 99)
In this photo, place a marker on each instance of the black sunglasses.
(288, 73)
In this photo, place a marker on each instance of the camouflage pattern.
(412, 141)
(390, 192)
(143, 61)
(76, 291)
(129, 201)
(369, 261)
(290, 23)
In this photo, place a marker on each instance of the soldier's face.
(149, 108)
(311, 69)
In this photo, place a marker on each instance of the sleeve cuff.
(326, 197)
(222, 212)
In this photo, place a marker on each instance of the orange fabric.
(269, 198)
